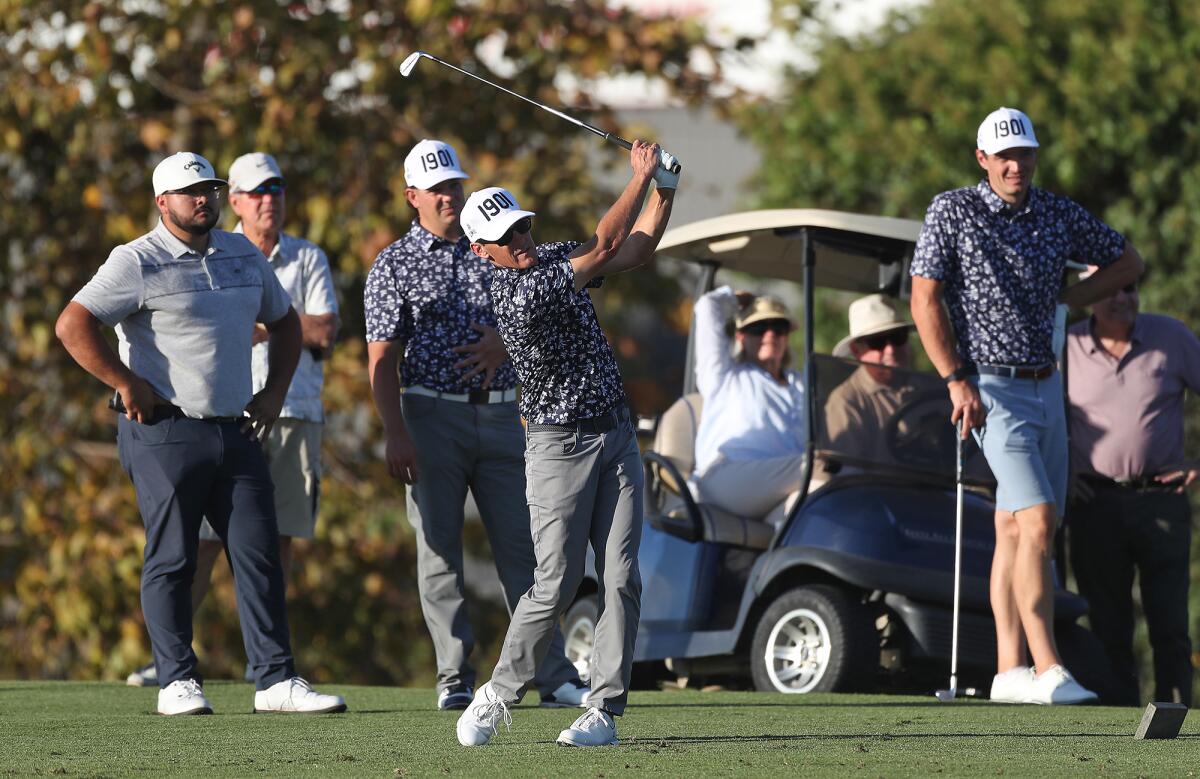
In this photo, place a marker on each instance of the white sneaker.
(1012, 686)
(296, 696)
(1057, 687)
(146, 676)
(594, 728)
(477, 724)
(183, 696)
(568, 695)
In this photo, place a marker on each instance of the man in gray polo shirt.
(257, 196)
(1127, 374)
(184, 299)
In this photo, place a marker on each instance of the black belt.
(1018, 371)
(598, 424)
(1137, 483)
(168, 411)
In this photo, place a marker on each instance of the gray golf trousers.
(582, 487)
(463, 446)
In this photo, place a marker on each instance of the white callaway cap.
(1005, 128)
(489, 213)
(181, 170)
(430, 163)
(250, 170)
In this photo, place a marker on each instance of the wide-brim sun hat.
(871, 315)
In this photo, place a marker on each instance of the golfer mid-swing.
(583, 470)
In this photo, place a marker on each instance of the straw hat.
(871, 315)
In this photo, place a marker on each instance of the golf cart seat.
(670, 500)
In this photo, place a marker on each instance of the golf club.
(410, 62)
(948, 695)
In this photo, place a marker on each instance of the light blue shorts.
(1025, 440)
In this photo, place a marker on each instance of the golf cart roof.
(850, 251)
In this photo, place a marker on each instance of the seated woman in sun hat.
(750, 444)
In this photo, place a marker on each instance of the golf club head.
(945, 696)
(410, 62)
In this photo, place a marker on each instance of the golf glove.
(663, 177)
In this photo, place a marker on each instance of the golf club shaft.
(618, 140)
(958, 523)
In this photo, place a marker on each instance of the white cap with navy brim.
(1005, 128)
(489, 213)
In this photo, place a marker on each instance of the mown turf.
(95, 729)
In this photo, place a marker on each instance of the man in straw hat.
(858, 409)
(750, 444)
(986, 276)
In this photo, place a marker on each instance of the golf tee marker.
(1161, 721)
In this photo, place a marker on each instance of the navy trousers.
(184, 470)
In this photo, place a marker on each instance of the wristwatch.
(958, 374)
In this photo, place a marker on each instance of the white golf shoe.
(1012, 686)
(477, 724)
(1056, 687)
(296, 696)
(568, 695)
(183, 696)
(146, 676)
(594, 728)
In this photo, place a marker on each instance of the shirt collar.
(275, 250)
(997, 205)
(1136, 336)
(426, 240)
(177, 247)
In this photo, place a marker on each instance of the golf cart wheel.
(579, 633)
(817, 638)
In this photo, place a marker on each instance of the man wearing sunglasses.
(858, 409)
(184, 299)
(750, 443)
(1127, 375)
(293, 449)
(995, 254)
(581, 456)
(447, 393)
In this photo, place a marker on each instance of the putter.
(948, 695)
(410, 62)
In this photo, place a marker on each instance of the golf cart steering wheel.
(919, 433)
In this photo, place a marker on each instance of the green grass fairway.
(95, 729)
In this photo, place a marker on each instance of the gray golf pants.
(463, 446)
(582, 487)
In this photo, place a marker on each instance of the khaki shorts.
(294, 454)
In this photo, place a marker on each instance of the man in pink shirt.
(1126, 378)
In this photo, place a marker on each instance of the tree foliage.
(95, 94)
(887, 119)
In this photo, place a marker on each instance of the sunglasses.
(521, 226)
(266, 188)
(198, 190)
(777, 326)
(880, 342)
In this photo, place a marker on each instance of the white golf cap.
(1005, 128)
(430, 163)
(250, 170)
(489, 213)
(181, 170)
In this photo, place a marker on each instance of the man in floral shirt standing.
(995, 254)
(447, 394)
(582, 466)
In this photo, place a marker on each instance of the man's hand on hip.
(484, 356)
(138, 398)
